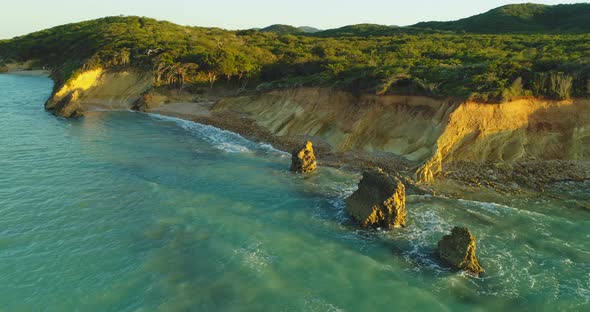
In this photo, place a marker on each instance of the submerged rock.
(304, 160)
(458, 250)
(68, 107)
(380, 201)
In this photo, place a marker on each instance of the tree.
(124, 56)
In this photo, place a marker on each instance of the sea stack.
(303, 160)
(380, 201)
(458, 250)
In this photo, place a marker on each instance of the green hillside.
(371, 59)
(309, 30)
(523, 18)
(372, 30)
(280, 29)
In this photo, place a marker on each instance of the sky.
(20, 17)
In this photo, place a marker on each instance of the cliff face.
(103, 89)
(427, 131)
(403, 125)
(523, 130)
(433, 132)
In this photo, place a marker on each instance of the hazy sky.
(19, 17)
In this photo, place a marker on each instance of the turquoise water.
(122, 211)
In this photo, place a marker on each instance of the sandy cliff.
(403, 125)
(431, 133)
(522, 130)
(434, 132)
(103, 89)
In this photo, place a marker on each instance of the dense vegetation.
(359, 58)
(280, 29)
(523, 18)
(374, 30)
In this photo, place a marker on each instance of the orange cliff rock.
(379, 201)
(430, 133)
(527, 129)
(303, 160)
(427, 131)
(100, 88)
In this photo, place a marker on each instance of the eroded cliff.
(98, 88)
(404, 125)
(522, 130)
(430, 133)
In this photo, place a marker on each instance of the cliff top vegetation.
(361, 58)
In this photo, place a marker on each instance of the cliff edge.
(430, 137)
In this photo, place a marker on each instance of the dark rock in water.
(304, 160)
(68, 107)
(380, 201)
(458, 250)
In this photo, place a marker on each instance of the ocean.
(126, 211)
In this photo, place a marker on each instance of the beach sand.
(199, 109)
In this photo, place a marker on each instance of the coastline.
(191, 189)
(471, 148)
(34, 73)
(473, 184)
(156, 166)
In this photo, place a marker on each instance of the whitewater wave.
(315, 303)
(338, 202)
(498, 209)
(254, 257)
(223, 140)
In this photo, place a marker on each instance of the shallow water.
(122, 211)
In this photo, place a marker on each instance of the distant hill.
(522, 18)
(281, 29)
(308, 29)
(372, 30)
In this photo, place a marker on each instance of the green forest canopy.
(360, 58)
(523, 18)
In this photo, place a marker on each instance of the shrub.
(515, 91)
(561, 85)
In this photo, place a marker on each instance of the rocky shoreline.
(379, 201)
(434, 146)
(459, 179)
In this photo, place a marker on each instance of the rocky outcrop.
(98, 88)
(303, 160)
(458, 250)
(379, 201)
(68, 107)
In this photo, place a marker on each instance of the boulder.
(303, 160)
(458, 250)
(379, 201)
